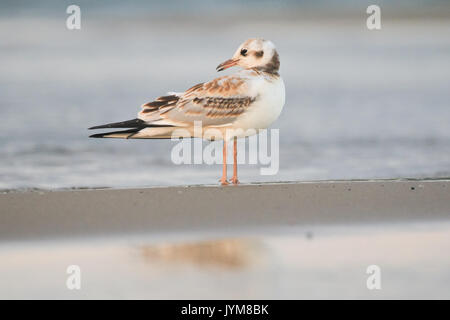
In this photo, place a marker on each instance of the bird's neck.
(272, 67)
(265, 71)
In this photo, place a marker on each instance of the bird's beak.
(227, 64)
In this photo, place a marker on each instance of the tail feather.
(134, 125)
(124, 134)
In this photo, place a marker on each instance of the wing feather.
(216, 102)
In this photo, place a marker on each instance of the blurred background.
(359, 103)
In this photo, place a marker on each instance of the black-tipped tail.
(134, 123)
(124, 134)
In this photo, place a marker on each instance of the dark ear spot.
(259, 54)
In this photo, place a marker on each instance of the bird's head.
(256, 54)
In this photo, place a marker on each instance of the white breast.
(267, 107)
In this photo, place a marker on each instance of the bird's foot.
(224, 182)
(234, 180)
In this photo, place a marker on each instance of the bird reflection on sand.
(223, 253)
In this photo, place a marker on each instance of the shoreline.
(45, 214)
(84, 188)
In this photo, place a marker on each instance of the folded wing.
(217, 102)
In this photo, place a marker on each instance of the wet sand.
(74, 213)
(267, 241)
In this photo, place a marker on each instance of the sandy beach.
(210, 242)
(48, 214)
(204, 242)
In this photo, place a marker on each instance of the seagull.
(244, 103)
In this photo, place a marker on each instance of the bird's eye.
(244, 52)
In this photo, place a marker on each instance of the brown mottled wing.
(217, 102)
(151, 111)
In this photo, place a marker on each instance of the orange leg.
(224, 181)
(235, 180)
